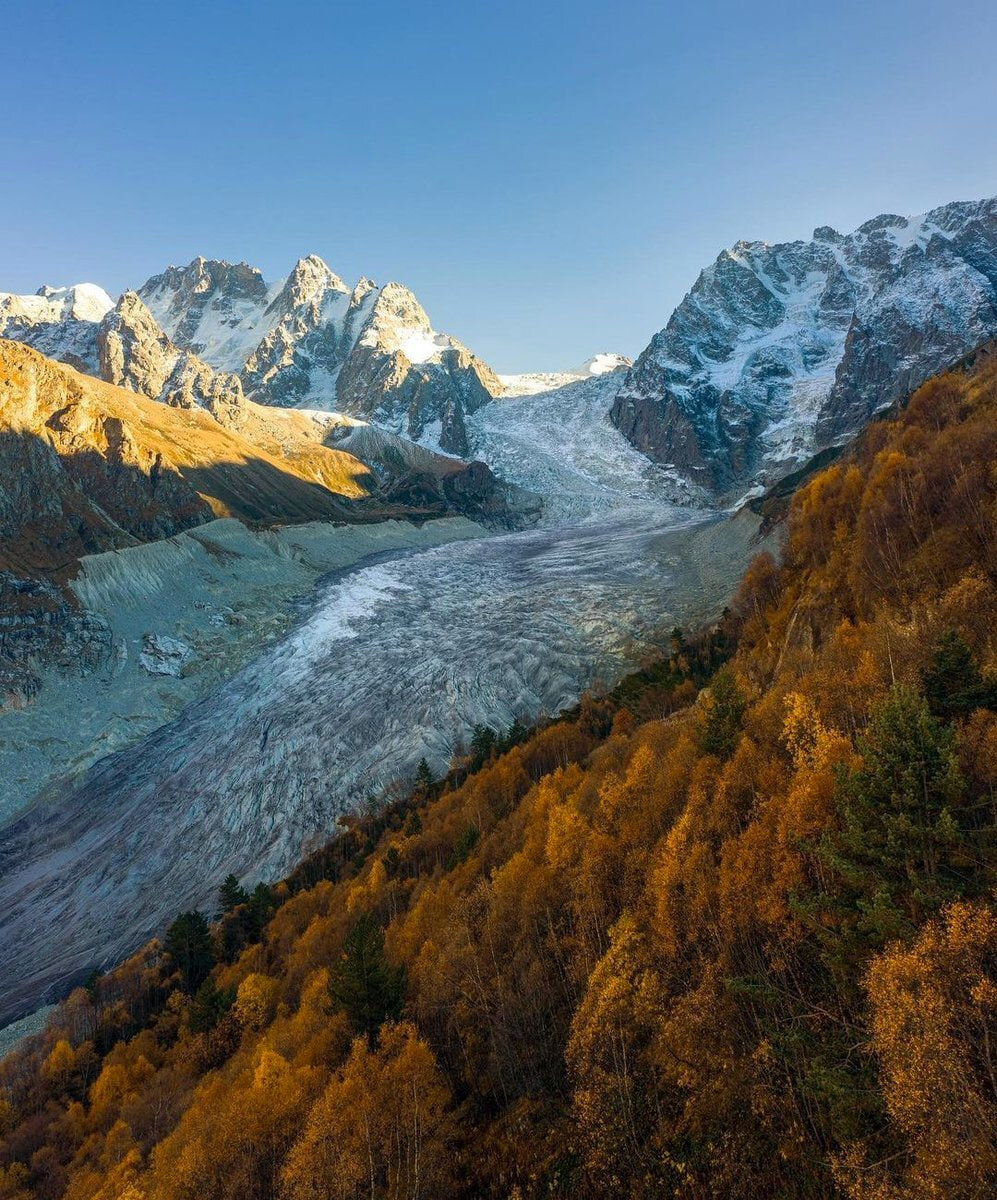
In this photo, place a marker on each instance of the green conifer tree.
(363, 983)
(953, 685)
(188, 943)
(231, 894)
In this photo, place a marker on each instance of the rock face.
(309, 341)
(781, 350)
(41, 627)
(60, 322)
(133, 352)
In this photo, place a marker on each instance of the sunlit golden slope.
(88, 466)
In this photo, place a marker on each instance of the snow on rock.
(309, 341)
(135, 353)
(59, 322)
(781, 350)
(602, 364)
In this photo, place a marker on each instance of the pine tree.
(188, 943)
(463, 846)
(516, 734)
(724, 711)
(423, 777)
(262, 904)
(900, 851)
(482, 744)
(953, 684)
(364, 984)
(231, 894)
(211, 1003)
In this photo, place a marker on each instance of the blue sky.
(548, 177)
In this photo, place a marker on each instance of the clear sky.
(547, 177)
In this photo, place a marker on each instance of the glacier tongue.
(395, 662)
(551, 434)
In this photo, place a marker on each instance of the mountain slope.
(780, 350)
(89, 466)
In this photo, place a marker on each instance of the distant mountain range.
(777, 351)
(215, 332)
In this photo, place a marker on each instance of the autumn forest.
(727, 930)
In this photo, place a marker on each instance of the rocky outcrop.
(781, 350)
(134, 352)
(164, 655)
(41, 627)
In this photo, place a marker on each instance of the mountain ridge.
(779, 350)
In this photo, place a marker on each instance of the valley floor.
(240, 753)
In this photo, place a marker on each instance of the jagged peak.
(883, 222)
(364, 286)
(210, 274)
(312, 267)
(309, 281)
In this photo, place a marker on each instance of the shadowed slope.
(89, 466)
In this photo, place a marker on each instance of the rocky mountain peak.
(780, 350)
(363, 288)
(210, 307)
(308, 282)
(213, 332)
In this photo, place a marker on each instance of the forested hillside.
(727, 932)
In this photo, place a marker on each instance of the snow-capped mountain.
(781, 350)
(59, 322)
(533, 382)
(309, 341)
(214, 329)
